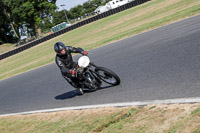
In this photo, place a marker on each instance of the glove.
(85, 53)
(72, 72)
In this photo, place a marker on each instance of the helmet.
(58, 47)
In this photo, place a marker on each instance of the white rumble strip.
(137, 103)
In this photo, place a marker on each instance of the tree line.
(31, 17)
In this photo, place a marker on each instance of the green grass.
(196, 112)
(116, 121)
(144, 17)
(197, 130)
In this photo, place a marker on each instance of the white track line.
(139, 103)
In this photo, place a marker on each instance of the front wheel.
(107, 76)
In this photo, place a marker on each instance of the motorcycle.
(90, 76)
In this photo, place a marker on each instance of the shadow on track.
(74, 93)
(67, 95)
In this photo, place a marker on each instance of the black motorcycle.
(90, 76)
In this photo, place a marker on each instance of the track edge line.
(124, 104)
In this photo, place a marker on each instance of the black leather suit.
(65, 62)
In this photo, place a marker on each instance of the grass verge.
(144, 17)
(182, 118)
(6, 47)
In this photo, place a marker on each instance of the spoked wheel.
(107, 76)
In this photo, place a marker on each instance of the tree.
(87, 7)
(6, 31)
(46, 24)
(77, 11)
(96, 3)
(30, 13)
(59, 17)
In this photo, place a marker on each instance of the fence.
(79, 24)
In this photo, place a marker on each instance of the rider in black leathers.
(64, 59)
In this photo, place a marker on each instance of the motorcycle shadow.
(74, 93)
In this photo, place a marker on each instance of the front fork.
(94, 74)
(89, 76)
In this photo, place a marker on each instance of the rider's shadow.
(67, 95)
(74, 93)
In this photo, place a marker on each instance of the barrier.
(79, 24)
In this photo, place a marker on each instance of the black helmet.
(58, 47)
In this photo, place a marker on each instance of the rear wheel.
(107, 76)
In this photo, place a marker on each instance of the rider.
(64, 59)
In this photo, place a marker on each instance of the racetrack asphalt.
(160, 64)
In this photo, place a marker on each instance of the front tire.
(107, 76)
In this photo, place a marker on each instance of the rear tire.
(107, 76)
